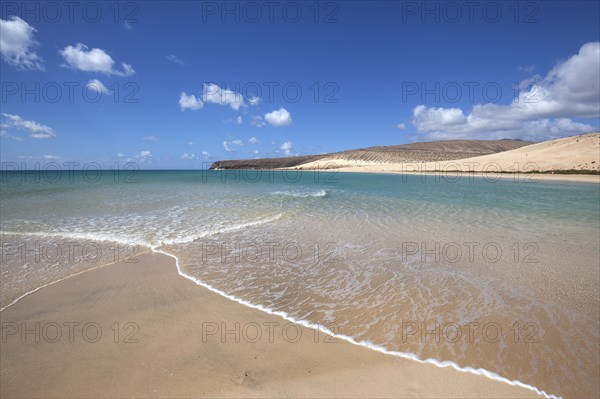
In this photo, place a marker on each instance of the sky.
(182, 84)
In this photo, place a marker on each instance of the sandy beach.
(168, 343)
(173, 223)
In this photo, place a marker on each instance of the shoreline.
(153, 265)
(451, 175)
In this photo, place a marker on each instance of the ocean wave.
(89, 236)
(301, 194)
(208, 233)
(132, 239)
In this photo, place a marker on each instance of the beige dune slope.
(576, 153)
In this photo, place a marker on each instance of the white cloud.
(97, 86)
(50, 157)
(190, 143)
(213, 94)
(229, 145)
(36, 130)
(120, 154)
(205, 154)
(401, 126)
(188, 157)
(256, 152)
(239, 120)
(540, 112)
(253, 140)
(280, 117)
(174, 59)
(17, 44)
(189, 102)
(145, 154)
(94, 60)
(286, 147)
(257, 121)
(149, 138)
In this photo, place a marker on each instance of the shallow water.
(497, 274)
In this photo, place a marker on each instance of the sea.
(493, 275)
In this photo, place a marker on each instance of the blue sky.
(181, 84)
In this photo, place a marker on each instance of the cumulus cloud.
(401, 126)
(189, 102)
(214, 94)
(149, 138)
(205, 155)
(230, 145)
(17, 44)
(50, 157)
(540, 112)
(145, 154)
(94, 60)
(286, 147)
(253, 140)
(97, 86)
(120, 155)
(280, 117)
(34, 129)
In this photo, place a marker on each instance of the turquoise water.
(368, 254)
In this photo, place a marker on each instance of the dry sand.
(580, 153)
(174, 355)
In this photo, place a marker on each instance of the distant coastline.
(573, 158)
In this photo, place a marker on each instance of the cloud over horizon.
(542, 111)
(34, 129)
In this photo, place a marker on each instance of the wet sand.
(177, 339)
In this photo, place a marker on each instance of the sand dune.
(578, 154)
(414, 152)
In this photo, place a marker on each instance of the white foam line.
(220, 231)
(104, 237)
(364, 344)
